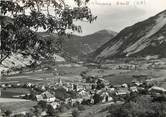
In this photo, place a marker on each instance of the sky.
(115, 15)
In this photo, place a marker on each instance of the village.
(83, 58)
(54, 98)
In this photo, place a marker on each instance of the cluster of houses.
(85, 93)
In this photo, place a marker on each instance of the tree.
(51, 111)
(140, 106)
(21, 19)
(97, 98)
(43, 104)
(37, 110)
(100, 84)
(8, 113)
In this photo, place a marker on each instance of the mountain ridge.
(79, 46)
(134, 39)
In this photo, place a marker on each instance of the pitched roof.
(157, 88)
(123, 91)
(47, 94)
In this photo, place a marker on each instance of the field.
(70, 74)
(16, 105)
(126, 76)
(11, 100)
(11, 92)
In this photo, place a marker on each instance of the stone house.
(45, 96)
(122, 91)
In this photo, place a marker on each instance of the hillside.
(142, 39)
(17, 61)
(79, 46)
(94, 41)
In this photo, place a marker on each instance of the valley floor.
(114, 74)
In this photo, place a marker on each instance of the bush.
(51, 111)
(141, 106)
(81, 107)
(97, 98)
(75, 113)
(42, 104)
(8, 113)
(63, 109)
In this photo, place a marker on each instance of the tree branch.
(3, 58)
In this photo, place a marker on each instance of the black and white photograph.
(83, 58)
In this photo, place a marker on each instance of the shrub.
(43, 104)
(51, 111)
(141, 106)
(75, 113)
(97, 98)
(81, 107)
(8, 113)
(62, 109)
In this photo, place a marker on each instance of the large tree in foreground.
(21, 19)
